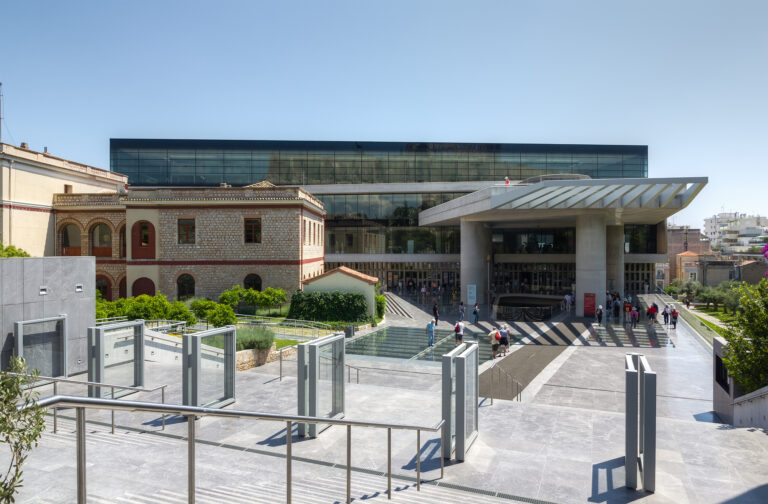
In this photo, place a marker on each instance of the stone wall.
(211, 280)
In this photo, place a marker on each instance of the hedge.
(328, 306)
(381, 306)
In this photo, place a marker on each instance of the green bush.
(232, 297)
(221, 315)
(328, 306)
(255, 338)
(201, 306)
(11, 251)
(144, 307)
(671, 290)
(381, 305)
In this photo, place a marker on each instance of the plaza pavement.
(563, 443)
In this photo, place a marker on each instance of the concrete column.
(590, 259)
(614, 259)
(475, 249)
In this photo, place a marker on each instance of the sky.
(687, 78)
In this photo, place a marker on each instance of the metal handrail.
(191, 412)
(56, 380)
(107, 320)
(516, 385)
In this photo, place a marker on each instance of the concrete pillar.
(590, 259)
(614, 259)
(475, 249)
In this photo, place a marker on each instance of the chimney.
(45, 150)
(24, 145)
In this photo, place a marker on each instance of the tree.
(20, 429)
(11, 251)
(746, 355)
(706, 295)
(232, 297)
(221, 315)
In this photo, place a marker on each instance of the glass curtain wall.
(210, 162)
(534, 278)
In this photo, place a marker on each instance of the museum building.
(572, 218)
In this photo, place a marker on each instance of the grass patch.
(280, 343)
(719, 330)
(726, 318)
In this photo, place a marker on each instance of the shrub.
(232, 297)
(11, 251)
(381, 305)
(179, 311)
(328, 306)
(221, 315)
(144, 307)
(201, 306)
(255, 338)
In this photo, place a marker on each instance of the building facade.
(28, 181)
(373, 193)
(733, 232)
(194, 242)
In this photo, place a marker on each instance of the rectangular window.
(186, 230)
(252, 230)
(67, 188)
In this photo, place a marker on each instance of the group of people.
(632, 312)
(458, 328)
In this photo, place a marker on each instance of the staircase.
(624, 335)
(395, 306)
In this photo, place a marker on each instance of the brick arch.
(122, 286)
(141, 286)
(71, 250)
(147, 251)
(121, 243)
(107, 292)
(100, 251)
(184, 295)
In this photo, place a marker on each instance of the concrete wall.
(345, 283)
(721, 398)
(751, 410)
(20, 299)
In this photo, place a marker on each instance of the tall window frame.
(252, 230)
(186, 231)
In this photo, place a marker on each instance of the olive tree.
(21, 423)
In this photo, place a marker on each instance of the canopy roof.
(631, 201)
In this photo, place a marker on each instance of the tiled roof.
(347, 271)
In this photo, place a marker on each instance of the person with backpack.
(673, 316)
(494, 337)
(459, 330)
(635, 316)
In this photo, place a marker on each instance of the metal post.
(80, 418)
(162, 399)
(113, 411)
(442, 450)
(418, 460)
(191, 459)
(349, 464)
(55, 409)
(389, 463)
(288, 462)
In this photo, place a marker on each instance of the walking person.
(673, 315)
(494, 338)
(635, 316)
(599, 314)
(436, 314)
(459, 330)
(665, 314)
(431, 332)
(504, 339)
(476, 314)
(461, 311)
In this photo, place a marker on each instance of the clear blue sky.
(687, 78)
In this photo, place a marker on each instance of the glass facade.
(640, 239)
(242, 162)
(533, 278)
(534, 241)
(386, 224)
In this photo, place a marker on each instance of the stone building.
(684, 239)
(28, 181)
(187, 242)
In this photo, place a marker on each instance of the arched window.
(252, 281)
(104, 286)
(70, 240)
(143, 285)
(121, 245)
(185, 287)
(143, 240)
(101, 241)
